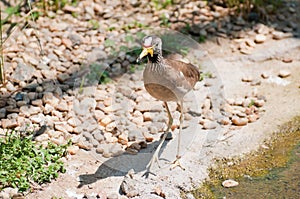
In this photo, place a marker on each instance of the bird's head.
(151, 46)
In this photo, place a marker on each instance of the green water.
(273, 171)
(278, 183)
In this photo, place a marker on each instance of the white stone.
(284, 73)
(260, 38)
(229, 183)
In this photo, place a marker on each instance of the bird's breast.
(160, 86)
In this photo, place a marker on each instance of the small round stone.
(239, 121)
(230, 183)
(260, 38)
(284, 73)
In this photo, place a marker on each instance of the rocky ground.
(250, 86)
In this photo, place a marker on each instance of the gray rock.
(2, 113)
(85, 106)
(207, 124)
(97, 134)
(116, 149)
(23, 72)
(135, 135)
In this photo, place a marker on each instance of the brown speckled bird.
(166, 80)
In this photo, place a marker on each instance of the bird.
(167, 80)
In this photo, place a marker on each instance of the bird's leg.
(154, 158)
(176, 162)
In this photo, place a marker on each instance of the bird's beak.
(145, 52)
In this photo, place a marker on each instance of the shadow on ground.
(122, 164)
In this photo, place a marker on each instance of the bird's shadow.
(122, 164)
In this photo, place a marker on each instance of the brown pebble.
(149, 139)
(253, 118)
(73, 149)
(284, 73)
(265, 75)
(239, 121)
(287, 60)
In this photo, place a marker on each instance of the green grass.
(161, 4)
(94, 24)
(23, 162)
(205, 75)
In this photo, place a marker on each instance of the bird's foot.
(176, 163)
(150, 165)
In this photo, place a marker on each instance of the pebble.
(253, 118)
(284, 73)
(207, 124)
(239, 121)
(265, 75)
(73, 149)
(54, 134)
(38, 119)
(238, 101)
(2, 113)
(278, 35)
(9, 123)
(287, 60)
(111, 126)
(259, 103)
(260, 38)
(135, 135)
(50, 99)
(105, 121)
(74, 121)
(10, 87)
(29, 110)
(41, 138)
(250, 42)
(225, 121)
(229, 183)
(63, 127)
(247, 78)
(62, 106)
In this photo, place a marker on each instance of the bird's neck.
(156, 58)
